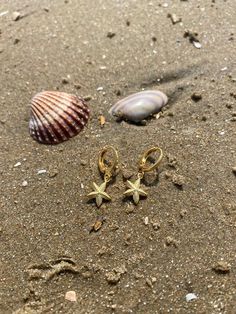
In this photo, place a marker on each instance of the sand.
(181, 238)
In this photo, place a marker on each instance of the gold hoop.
(142, 164)
(108, 170)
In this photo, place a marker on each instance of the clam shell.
(56, 116)
(139, 106)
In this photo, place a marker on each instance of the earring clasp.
(143, 167)
(108, 167)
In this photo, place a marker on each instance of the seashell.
(139, 106)
(56, 117)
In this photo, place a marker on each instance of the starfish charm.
(99, 193)
(134, 190)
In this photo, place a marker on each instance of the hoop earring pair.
(110, 169)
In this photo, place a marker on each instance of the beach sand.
(181, 238)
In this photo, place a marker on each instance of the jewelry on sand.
(134, 189)
(109, 169)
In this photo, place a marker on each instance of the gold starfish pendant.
(134, 190)
(99, 193)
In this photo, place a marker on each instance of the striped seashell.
(56, 117)
(139, 106)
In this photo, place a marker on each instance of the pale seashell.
(56, 116)
(139, 106)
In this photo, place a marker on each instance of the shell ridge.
(58, 125)
(41, 133)
(38, 112)
(76, 106)
(64, 122)
(56, 130)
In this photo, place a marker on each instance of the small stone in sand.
(234, 170)
(111, 34)
(71, 296)
(16, 41)
(42, 171)
(222, 267)
(178, 180)
(112, 277)
(193, 38)
(190, 297)
(174, 18)
(16, 16)
(87, 98)
(24, 183)
(77, 85)
(18, 164)
(171, 241)
(196, 97)
(65, 81)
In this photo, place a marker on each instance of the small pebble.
(112, 277)
(190, 297)
(53, 173)
(171, 242)
(183, 212)
(102, 120)
(83, 162)
(156, 225)
(71, 296)
(77, 85)
(111, 34)
(24, 183)
(149, 283)
(97, 224)
(224, 69)
(100, 88)
(16, 16)
(146, 221)
(178, 180)
(16, 41)
(196, 97)
(65, 81)
(41, 171)
(2, 14)
(87, 98)
(234, 170)
(197, 44)
(113, 306)
(117, 92)
(193, 38)
(174, 18)
(222, 267)
(153, 279)
(18, 164)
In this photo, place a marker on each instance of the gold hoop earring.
(109, 169)
(134, 189)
